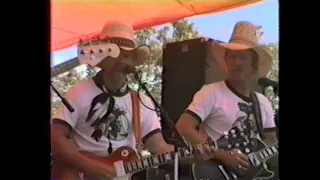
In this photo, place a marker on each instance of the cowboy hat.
(113, 37)
(123, 35)
(245, 35)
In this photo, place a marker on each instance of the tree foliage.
(274, 74)
(152, 69)
(63, 82)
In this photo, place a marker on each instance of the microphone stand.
(64, 101)
(165, 115)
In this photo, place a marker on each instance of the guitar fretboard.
(268, 152)
(159, 159)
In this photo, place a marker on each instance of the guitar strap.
(257, 113)
(136, 119)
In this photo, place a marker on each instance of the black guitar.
(258, 171)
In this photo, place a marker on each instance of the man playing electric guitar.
(220, 106)
(105, 110)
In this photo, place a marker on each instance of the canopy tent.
(72, 20)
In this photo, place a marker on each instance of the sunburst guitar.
(258, 170)
(127, 163)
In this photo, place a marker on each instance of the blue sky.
(218, 26)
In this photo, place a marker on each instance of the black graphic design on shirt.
(112, 121)
(244, 117)
(117, 125)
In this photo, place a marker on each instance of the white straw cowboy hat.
(245, 35)
(123, 35)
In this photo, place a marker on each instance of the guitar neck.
(267, 153)
(159, 159)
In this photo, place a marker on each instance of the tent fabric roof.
(75, 19)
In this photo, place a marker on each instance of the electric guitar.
(258, 170)
(127, 163)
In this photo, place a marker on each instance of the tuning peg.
(229, 146)
(247, 150)
(226, 133)
(226, 137)
(245, 143)
(232, 131)
(237, 145)
(241, 134)
(84, 52)
(234, 135)
(109, 49)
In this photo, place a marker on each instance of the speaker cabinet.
(187, 66)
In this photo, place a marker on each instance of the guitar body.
(129, 166)
(64, 172)
(214, 171)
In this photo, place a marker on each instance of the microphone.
(265, 82)
(132, 70)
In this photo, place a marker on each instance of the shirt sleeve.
(202, 103)
(63, 114)
(150, 123)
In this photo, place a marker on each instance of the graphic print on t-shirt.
(244, 116)
(117, 124)
(109, 117)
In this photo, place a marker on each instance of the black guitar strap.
(257, 113)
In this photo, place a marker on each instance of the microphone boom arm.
(64, 101)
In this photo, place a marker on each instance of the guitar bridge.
(120, 171)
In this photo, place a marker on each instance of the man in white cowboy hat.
(218, 107)
(102, 120)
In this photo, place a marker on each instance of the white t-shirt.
(84, 98)
(220, 108)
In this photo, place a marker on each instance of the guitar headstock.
(92, 52)
(236, 138)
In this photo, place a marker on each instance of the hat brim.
(265, 60)
(141, 54)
